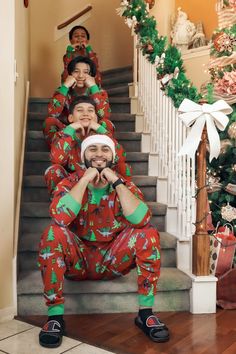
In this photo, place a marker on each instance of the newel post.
(201, 240)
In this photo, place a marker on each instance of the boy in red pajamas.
(80, 81)
(79, 46)
(65, 150)
(100, 230)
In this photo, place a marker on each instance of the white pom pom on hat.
(97, 139)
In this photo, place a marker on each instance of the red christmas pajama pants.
(62, 253)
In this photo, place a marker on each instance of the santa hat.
(98, 139)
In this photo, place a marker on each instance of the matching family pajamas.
(95, 240)
(72, 53)
(58, 109)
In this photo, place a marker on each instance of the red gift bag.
(227, 249)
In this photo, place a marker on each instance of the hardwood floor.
(190, 334)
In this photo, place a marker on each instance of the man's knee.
(53, 234)
(55, 170)
(148, 238)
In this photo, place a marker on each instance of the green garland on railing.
(168, 61)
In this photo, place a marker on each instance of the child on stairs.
(79, 46)
(80, 81)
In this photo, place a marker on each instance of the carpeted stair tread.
(170, 279)
(40, 209)
(116, 71)
(116, 80)
(118, 91)
(29, 241)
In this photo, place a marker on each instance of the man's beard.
(89, 164)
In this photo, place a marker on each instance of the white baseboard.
(7, 314)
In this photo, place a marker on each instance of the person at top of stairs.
(80, 81)
(79, 46)
(101, 230)
(66, 146)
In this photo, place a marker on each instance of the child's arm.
(64, 142)
(92, 55)
(57, 103)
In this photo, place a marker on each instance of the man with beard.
(80, 81)
(101, 230)
(66, 146)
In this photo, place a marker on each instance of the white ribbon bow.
(213, 115)
(169, 77)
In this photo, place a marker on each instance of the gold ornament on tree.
(232, 130)
(213, 184)
(231, 188)
(224, 144)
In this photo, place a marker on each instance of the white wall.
(7, 35)
(14, 35)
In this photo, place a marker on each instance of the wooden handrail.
(75, 17)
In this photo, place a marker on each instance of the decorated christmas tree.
(222, 69)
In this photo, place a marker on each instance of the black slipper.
(154, 329)
(51, 334)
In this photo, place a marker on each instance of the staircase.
(118, 295)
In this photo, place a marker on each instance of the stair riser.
(34, 124)
(116, 72)
(118, 92)
(117, 80)
(39, 167)
(39, 107)
(40, 194)
(105, 303)
(28, 260)
(40, 145)
(29, 225)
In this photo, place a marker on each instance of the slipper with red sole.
(154, 329)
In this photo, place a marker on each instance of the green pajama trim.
(56, 310)
(70, 48)
(63, 90)
(70, 131)
(67, 201)
(88, 48)
(137, 216)
(94, 89)
(146, 301)
(101, 130)
(97, 193)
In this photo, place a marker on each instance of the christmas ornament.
(229, 3)
(226, 84)
(197, 116)
(213, 183)
(123, 7)
(231, 188)
(167, 77)
(228, 213)
(151, 3)
(232, 130)
(224, 42)
(224, 144)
